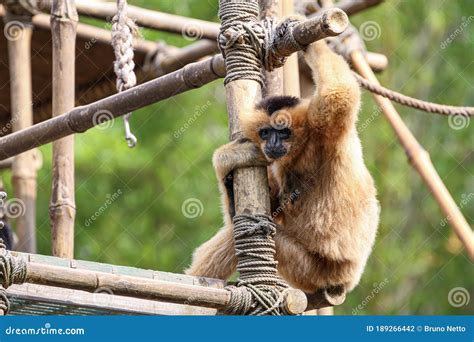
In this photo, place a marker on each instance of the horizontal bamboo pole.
(420, 160)
(188, 27)
(144, 288)
(80, 119)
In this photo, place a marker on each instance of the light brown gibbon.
(323, 197)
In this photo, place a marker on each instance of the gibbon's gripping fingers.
(237, 154)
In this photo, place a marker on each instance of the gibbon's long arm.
(334, 106)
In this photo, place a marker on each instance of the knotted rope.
(259, 290)
(350, 41)
(247, 44)
(405, 100)
(12, 270)
(123, 29)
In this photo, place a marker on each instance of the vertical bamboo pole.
(291, 83)
(62, 208)
(250, 184)
(273, 79)
(291, 77)
(419, 159)
(18, 31)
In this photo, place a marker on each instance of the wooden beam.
(82, 118)
(190, 28)
(419, 159)
(23, 171)
(291, 78)
(62, 206)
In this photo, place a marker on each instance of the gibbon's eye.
(284, 133)
(263, 133)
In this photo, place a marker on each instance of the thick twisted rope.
(350, 41)
(259, 290)
(247, 44)
(405, 100)
(123, 29)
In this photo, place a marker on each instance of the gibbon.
(323, 197)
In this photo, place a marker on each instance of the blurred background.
(150, 206)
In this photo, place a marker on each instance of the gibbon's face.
(275, 142)
(276, 125)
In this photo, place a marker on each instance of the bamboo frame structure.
(82, 118)
(191, 28)
(62, 207)
(23, 172)
(420, 160)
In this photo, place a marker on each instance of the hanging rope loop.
(123, 29)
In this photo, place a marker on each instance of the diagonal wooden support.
(419, 159)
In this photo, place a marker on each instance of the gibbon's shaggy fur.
(323, 197)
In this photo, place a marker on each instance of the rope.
(350, 41)
(405, 100)
(259, 290)
(247, 44)
(123, 29)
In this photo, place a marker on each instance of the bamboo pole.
(420, 160)
(273, 79)
(138, 287)
(291, 77)
(23, 172)
(189, 27)
(82, 118)
(62, 207)
(6, 164)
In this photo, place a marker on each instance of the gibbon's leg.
(216, 257)
(335, 104)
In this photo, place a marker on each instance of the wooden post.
(273, 79)
(18, 30)
(291, 77)
(62, 207)
(419, 159)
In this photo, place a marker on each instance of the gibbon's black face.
(275, 131)
(274, 141)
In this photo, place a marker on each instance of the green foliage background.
(417, 259)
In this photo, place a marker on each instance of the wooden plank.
(40, 300)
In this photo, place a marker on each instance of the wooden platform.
(32, 299)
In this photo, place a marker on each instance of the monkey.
(323, 197)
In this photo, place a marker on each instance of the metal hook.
(131, 139)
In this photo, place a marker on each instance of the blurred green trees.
(417, 259)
